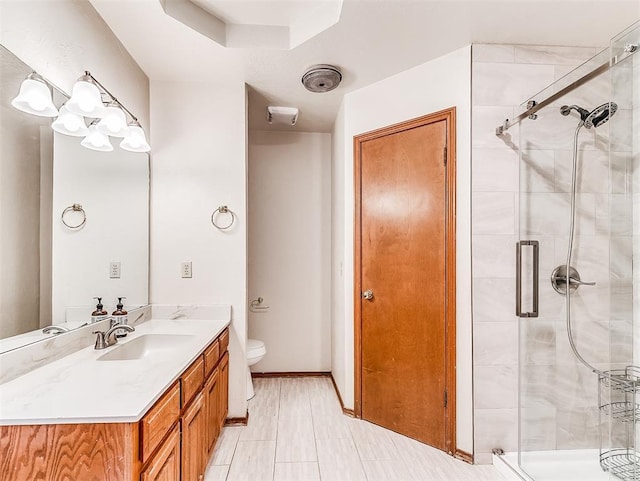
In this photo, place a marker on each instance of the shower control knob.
(368, 294)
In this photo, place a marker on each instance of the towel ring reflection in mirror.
(74, 208)
(223, 209)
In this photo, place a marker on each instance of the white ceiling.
(374, 39)
(259, 12)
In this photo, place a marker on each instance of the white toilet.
(255, 352)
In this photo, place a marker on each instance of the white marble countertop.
(80, 389)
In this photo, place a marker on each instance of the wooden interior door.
(405, 216)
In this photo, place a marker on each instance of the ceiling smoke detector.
(321, 78)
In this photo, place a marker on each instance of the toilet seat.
(255, 348)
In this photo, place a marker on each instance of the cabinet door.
(224, 389)
(212, 394)
(165, 465)
(194, 440)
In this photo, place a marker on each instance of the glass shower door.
(560, 427)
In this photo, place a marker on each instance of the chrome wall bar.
(507, 124)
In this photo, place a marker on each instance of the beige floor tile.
(226, 445)
(298, 422)
(339, 461)
(297, 472)
(216, 473)
(253, 461)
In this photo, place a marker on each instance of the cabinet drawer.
(192, 380)
(157, 422)
(211, 356)
(224, 341)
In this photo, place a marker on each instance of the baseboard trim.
(463, 456)
(237, 421)
(347, 412)
(291, 374)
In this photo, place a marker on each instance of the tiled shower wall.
(559, 397)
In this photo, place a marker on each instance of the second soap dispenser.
(120, 317)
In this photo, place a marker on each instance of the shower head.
(596, 117)
(601, 115)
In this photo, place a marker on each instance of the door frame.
(449, 117)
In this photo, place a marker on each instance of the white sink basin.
(144, 346)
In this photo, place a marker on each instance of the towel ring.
(74, 208)
(223, 209)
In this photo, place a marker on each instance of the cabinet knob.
(368, 294)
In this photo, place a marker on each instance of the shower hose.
(570, 253)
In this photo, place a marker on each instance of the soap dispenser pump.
(99, 314)
(120, 317)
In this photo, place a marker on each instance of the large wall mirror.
(51, 272)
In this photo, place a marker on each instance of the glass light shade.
(70, 124)
(35, 98)
(86, 100)
(114, 122)
(136, 141)
(96, 140)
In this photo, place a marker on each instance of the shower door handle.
(536, 262)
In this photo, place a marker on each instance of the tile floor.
(297, 432)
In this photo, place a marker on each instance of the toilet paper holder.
(256, 305)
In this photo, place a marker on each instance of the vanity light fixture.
(96, 140)
(70, 124)
(108, 117)
(114, 122)
(35, 97)
(86, 98)
(136, 140)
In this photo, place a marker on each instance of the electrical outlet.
(185, 269)
(114, 270)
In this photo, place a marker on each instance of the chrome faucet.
(54, 330)
(107, 338)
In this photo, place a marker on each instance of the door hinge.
(445, 399)
(445, 155)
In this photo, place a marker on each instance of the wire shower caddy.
(619, 401)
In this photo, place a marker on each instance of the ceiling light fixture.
(321, 78)
(35, 97)
(86, 101)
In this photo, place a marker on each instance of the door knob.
(368, 294)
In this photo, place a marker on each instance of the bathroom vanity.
(149, 408)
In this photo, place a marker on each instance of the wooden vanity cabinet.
(194, 453)
(172, 442)
(165, 465)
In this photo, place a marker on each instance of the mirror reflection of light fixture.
(70, 124)
(96, 140)
(35, 97)
(86, 99)
(136, 140)
(114, 122)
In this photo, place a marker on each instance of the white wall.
(199, 164)
(442, 83)
(290, 248)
